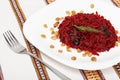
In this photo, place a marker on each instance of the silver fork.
(14, 44)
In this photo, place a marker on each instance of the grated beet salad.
(87, 31)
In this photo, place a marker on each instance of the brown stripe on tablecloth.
(92, 75)
(117, 69)
(40, 69)
(87, 74)
(49, 1)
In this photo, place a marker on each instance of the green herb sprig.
(89, 29)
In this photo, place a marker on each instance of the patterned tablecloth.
(15, 13)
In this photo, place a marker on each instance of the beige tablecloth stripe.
(40, 69)
(92, 75)
(117, 69)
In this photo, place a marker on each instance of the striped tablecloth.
(22, 9)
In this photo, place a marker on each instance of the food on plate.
(81, 11)
(73, 58)
(59, 18)
(73, 12)
(45, 25)
(93, 59)
(55, 35)
(43, 36)
(51, 46)
(62, 44)
(118, 39)
(116, 44)
(92, 6)
(78, 50)
(60, 51)
(68, 13)
(56, 24)
(87, 32)
(68, 49)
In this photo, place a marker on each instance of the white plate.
(33, 28)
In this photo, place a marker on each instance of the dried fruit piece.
(73, 58)
(118, 39)
(68, 13)
(73, 12)
(84, 55)
(81, 11)
(51, 46)
(56, 24)
(43, 36)
(78, 50)
(68, 49)
(54, 37)
(45, 25)
(92, 6)
(62, 44)
(116, 44)
(60, 51)
(93, 59)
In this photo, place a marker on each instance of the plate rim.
(95, 68)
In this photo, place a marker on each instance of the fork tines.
(10, 38)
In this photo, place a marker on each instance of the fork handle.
(58, 73)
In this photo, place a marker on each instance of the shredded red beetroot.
(85, 40)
